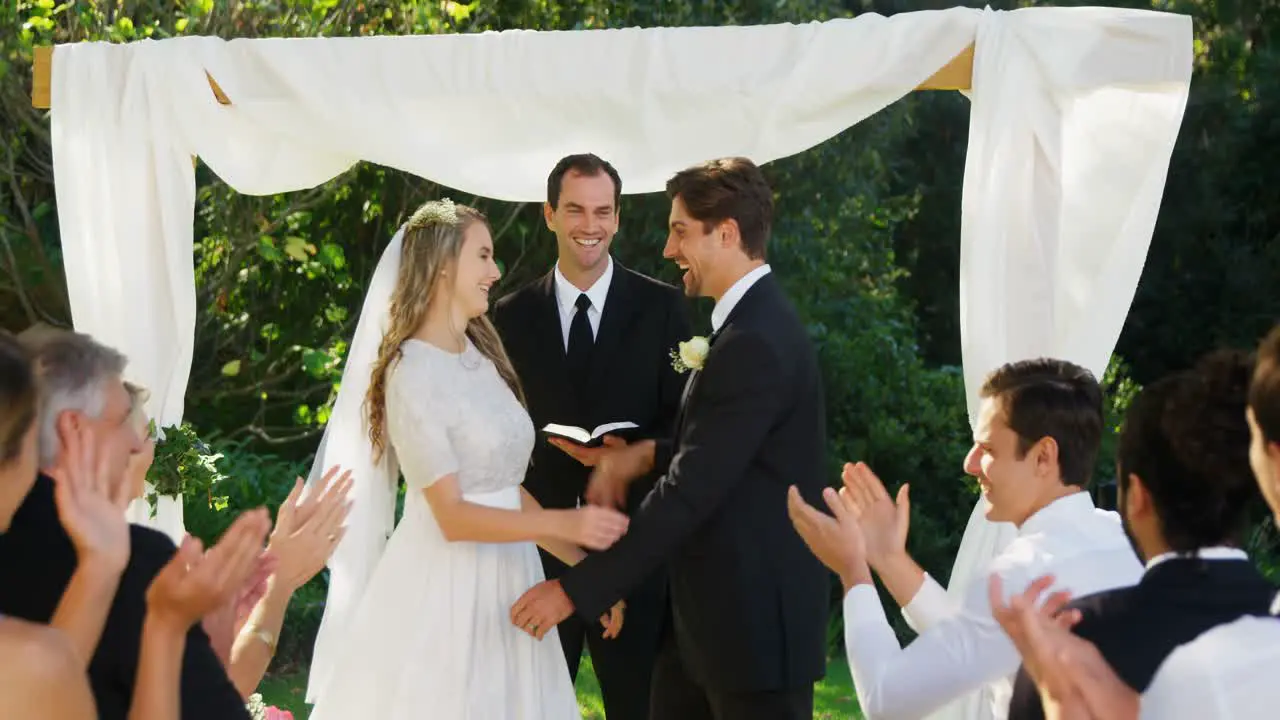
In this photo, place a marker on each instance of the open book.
(582, 437)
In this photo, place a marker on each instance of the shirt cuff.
(862, 606)
(930, 606)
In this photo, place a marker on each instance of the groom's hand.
(615, 468)
(541, 608)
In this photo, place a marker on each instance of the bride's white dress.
(432, 637)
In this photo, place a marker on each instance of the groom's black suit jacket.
(1137, 627)
(748, 599)
(37, 560)
(631, 377)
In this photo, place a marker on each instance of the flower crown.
(435, 212)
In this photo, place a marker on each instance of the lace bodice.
(452, 413)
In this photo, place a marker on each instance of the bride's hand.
(612, 620)
(593, 527)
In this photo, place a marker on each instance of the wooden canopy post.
(955, 75)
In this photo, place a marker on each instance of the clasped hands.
(867, 528)
(615, 464)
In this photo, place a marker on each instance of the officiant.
(591, 342)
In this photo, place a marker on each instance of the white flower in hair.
(435, 212)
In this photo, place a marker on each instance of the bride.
(427, 633)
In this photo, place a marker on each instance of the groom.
(746, 633)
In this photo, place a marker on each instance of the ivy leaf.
(231, 369)
(298, 248)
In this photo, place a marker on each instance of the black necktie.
(580, 338)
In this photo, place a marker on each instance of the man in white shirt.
(1036, 440)
(1227, 673)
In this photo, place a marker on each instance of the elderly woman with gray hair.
(42, 669)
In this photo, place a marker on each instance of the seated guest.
(308, 529)
(1185, 491)
(42, 669)
(82, 395)
(1035, 442)
(1227, 673)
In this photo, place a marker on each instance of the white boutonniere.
(691, 354)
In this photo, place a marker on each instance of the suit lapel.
(762, 288)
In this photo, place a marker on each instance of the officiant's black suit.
(630, 379)
(1136, 628)
(37, 560)
(746, 636)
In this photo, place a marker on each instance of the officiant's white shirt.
(730, 299)
(962, 648)
(567, 300)
(1228, 673)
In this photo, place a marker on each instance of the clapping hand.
(195, 583)
(884, 523)
(836, 541)
(309, 529)
(88, 500)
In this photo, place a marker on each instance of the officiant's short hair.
(1264, 390)
(731, 188)
(585, 164)
(18, 398)
(1052, 398)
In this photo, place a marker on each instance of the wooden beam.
(42, 75)
(955, 75)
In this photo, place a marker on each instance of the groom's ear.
(548, 212)
(729, 235)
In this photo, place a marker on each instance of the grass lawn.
(833, 698)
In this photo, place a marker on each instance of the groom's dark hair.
(584, 164)
(730, 188)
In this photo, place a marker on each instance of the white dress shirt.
(1228, 673)
(961, 648)
(567, 298)
(735, 292)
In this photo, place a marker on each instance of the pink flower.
(275, 713)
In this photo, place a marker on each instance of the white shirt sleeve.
(954, 656)
(930, 606)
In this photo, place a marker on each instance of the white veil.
(346, 443)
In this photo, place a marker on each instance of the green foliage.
(183, 465)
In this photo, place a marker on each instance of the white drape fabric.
(125, 192)
(1060, 184)
(1063, 181)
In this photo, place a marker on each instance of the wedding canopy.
(1074, 114)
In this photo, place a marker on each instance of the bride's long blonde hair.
(433, 240)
